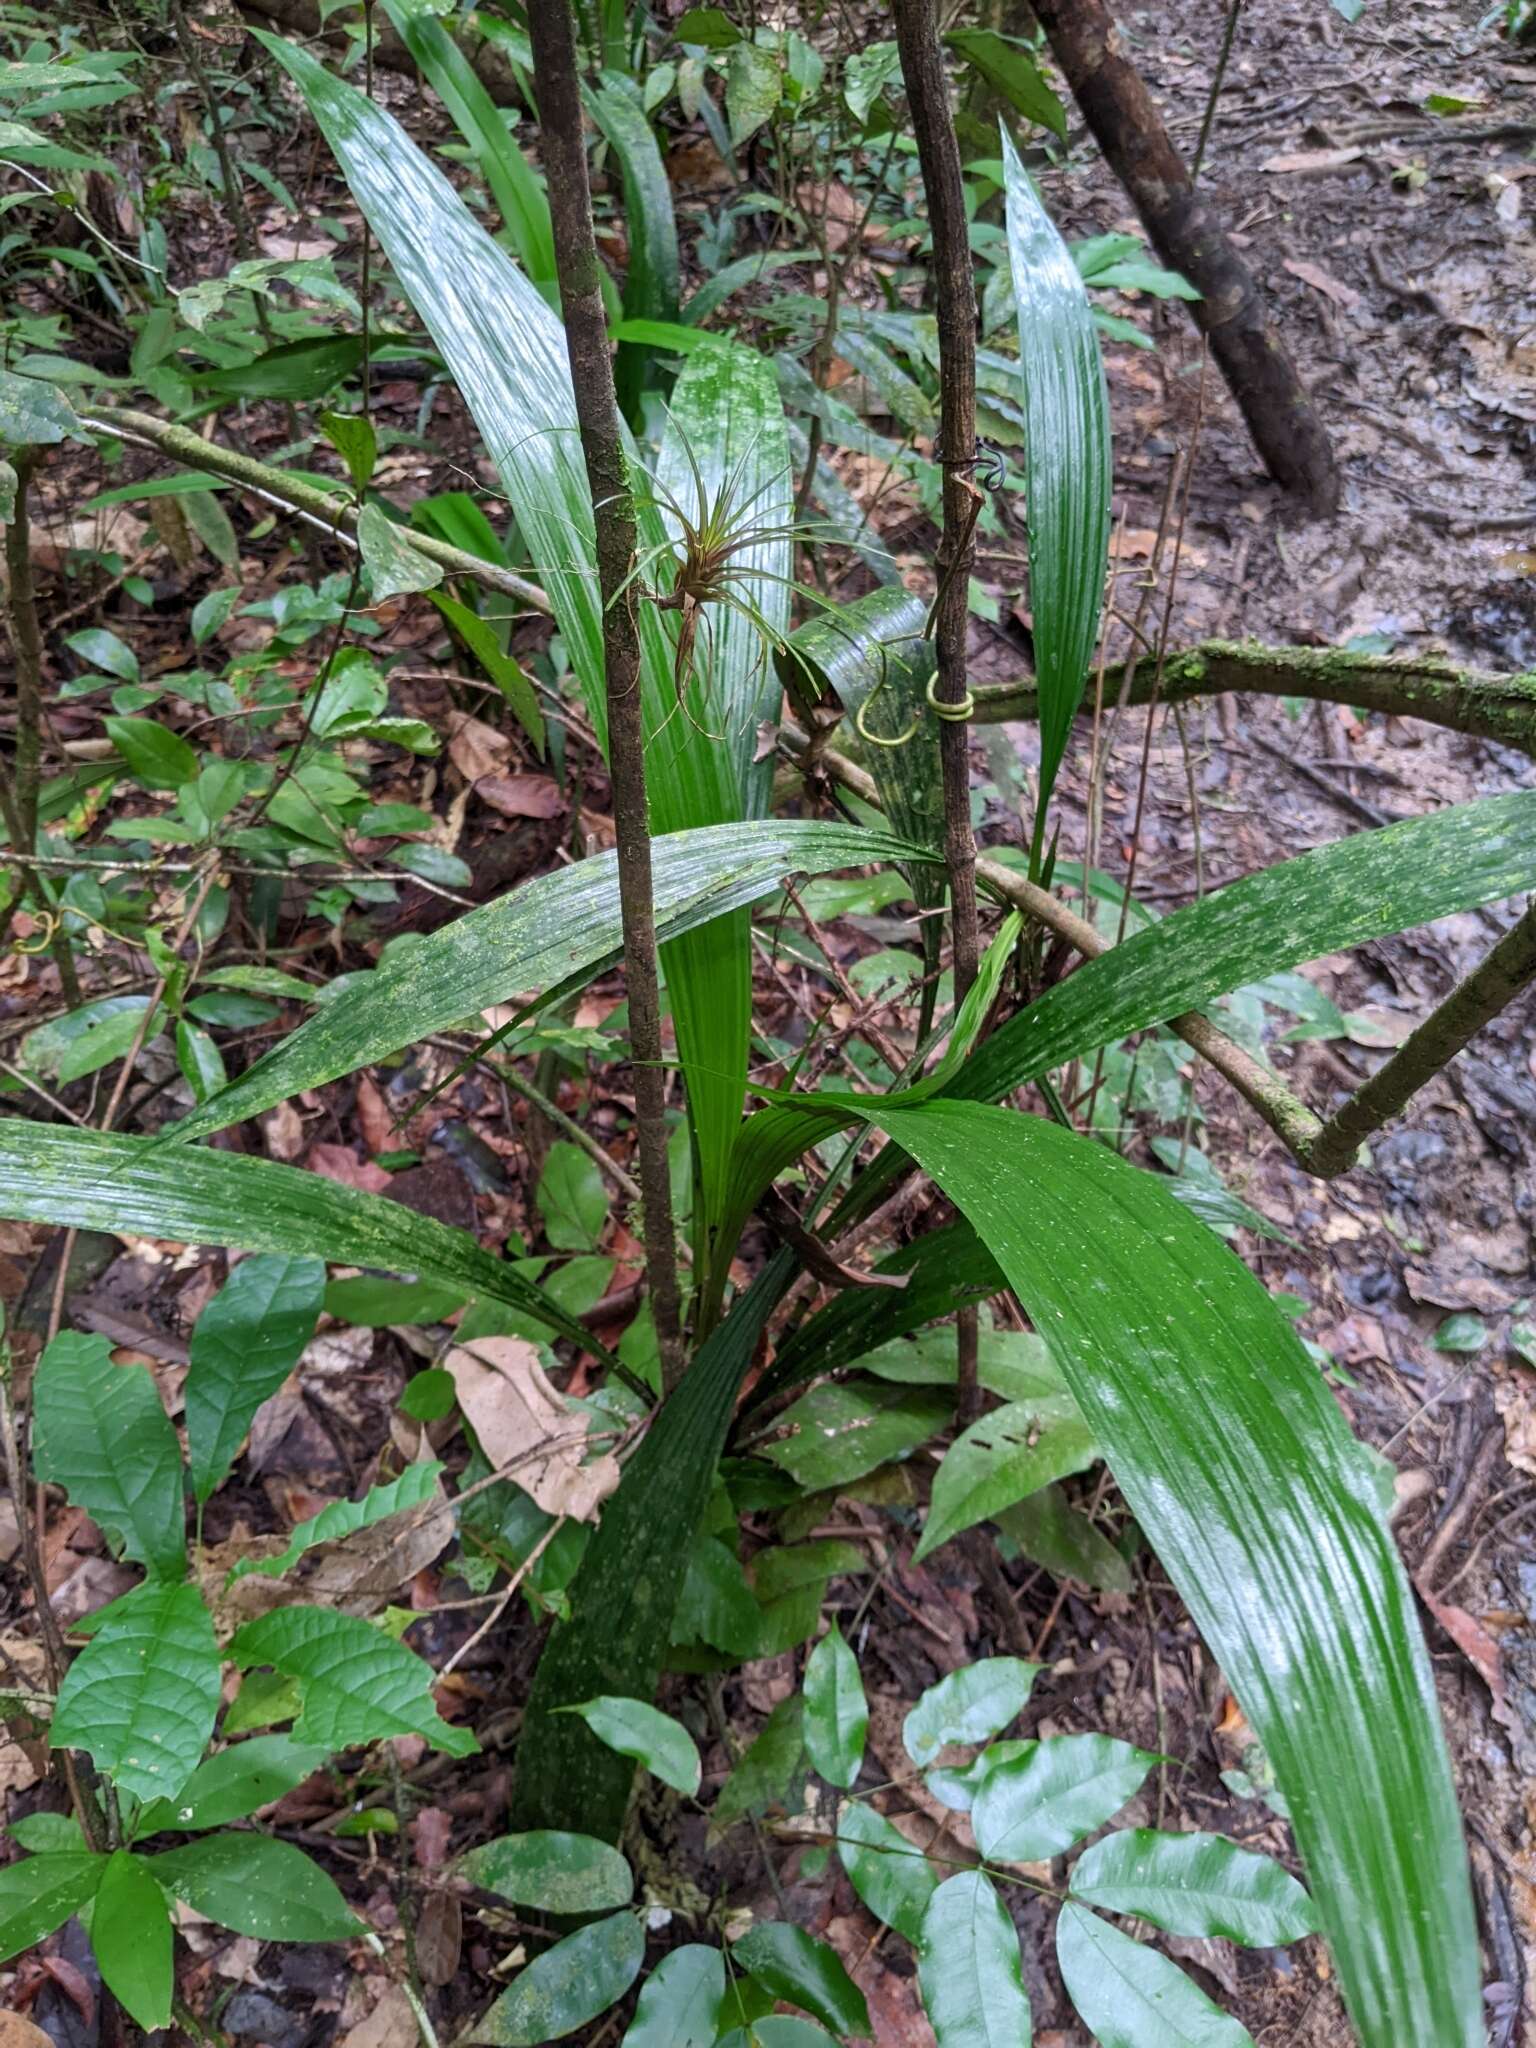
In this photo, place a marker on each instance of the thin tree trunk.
(1186, 233)
(586, 335)
(927, 83)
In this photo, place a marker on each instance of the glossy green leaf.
(957, 1787)
(257, 1886)
(836, 1711)
(651, 273)
(392, 566)
(354, 440)
(1049, 1531)
(565, 1987)
(971, 1705)
(969, 1969)
(1009, 67)
(893, 1878)
(201, 1064)
(1194, 1884)
(48, 1834)
(767, 1768)
(1266, 1514)
(416, 1485)
(132, 1942)
(837, 1433)
(1133, 1997)
(237, 1782)
(784, 1569)
(803, 1971)
(244, 1345)
(97, 1181)
(635, 1728)
(100, 1432)
(625, 1593)
(88, 1038)
(553, 1870)
(752, 87)
(518, 194)
(480, 638)
(1031, 1809)
(141, 1697)
(1002, 1457)
(549, 933)
(1068, 463)
(359, 1685)
(40, 1893)
(778, 2030)
(105, 651)
(679, 2006)
(572, 1198)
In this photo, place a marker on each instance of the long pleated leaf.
(98, 1181)
(516, 190)
(726, 434)
(1068, 463)
(1321, 902)
(1268, 1516)
(547, 934)
(626, 1590)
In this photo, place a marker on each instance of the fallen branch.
(1494, 707)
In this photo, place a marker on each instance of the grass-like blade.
(651, 276)
(1268, 1516)
(548, 934)
(99, 1181)
(1068, 463)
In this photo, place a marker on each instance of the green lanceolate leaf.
(970, 1705)
(1032, 1808)
(1067, 442)
(99, 1181)
(100, 1432)
(39, 1894)
(565, 1987)
(416, 1485)
(1132, 1997)
(515, 188)
(650, 277)
(238, 1781)
(679, 2006)
(1009, 67)
(140, 1698)
(836, 1712)
(550, 933)
(893, 1877)
(244, 1345)
(637, 1729)
(1001, 1458)
(1237, 1463)
(131, 1939)
(257, 1886)
(553, 1870)
(625, 1592)
(1194, 1884)
(968, 1966)
(359, 1685)
(802, 1971)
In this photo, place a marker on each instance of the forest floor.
(1399, 263)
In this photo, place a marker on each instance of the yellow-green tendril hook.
(953, 712)
(877, 739)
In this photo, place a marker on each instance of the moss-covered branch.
(1467, 700)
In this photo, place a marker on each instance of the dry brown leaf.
(284, 1132)
(374, 1119)
(16, 2032)
(475, 748)
(341, 1164)
(1514, 1396)
(521, 796)
(1302, 162)
(523, 1425)
(439, 1937)
(391, 2024)
(1474, 1643)
(1321, 281)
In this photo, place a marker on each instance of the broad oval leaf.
(1237, 1463)
(553, 1870)
(359, 1685)
(836, 1712)
(635, 1728)
(237, 1782)
(892, 1876)
(956, 1788)
(565, 1987)
(1194, 1884)
(970, 1705)
(679, 2006)
(1031, 1809)
(802, 1971)
(100, 1432)
(141, 1697)
(969, 1968)
(39, 1894)
(1069, 470)
(1133, 1997)
(1001, 1459)
(131, 1939)
(257, 1886)
(244, 1345)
